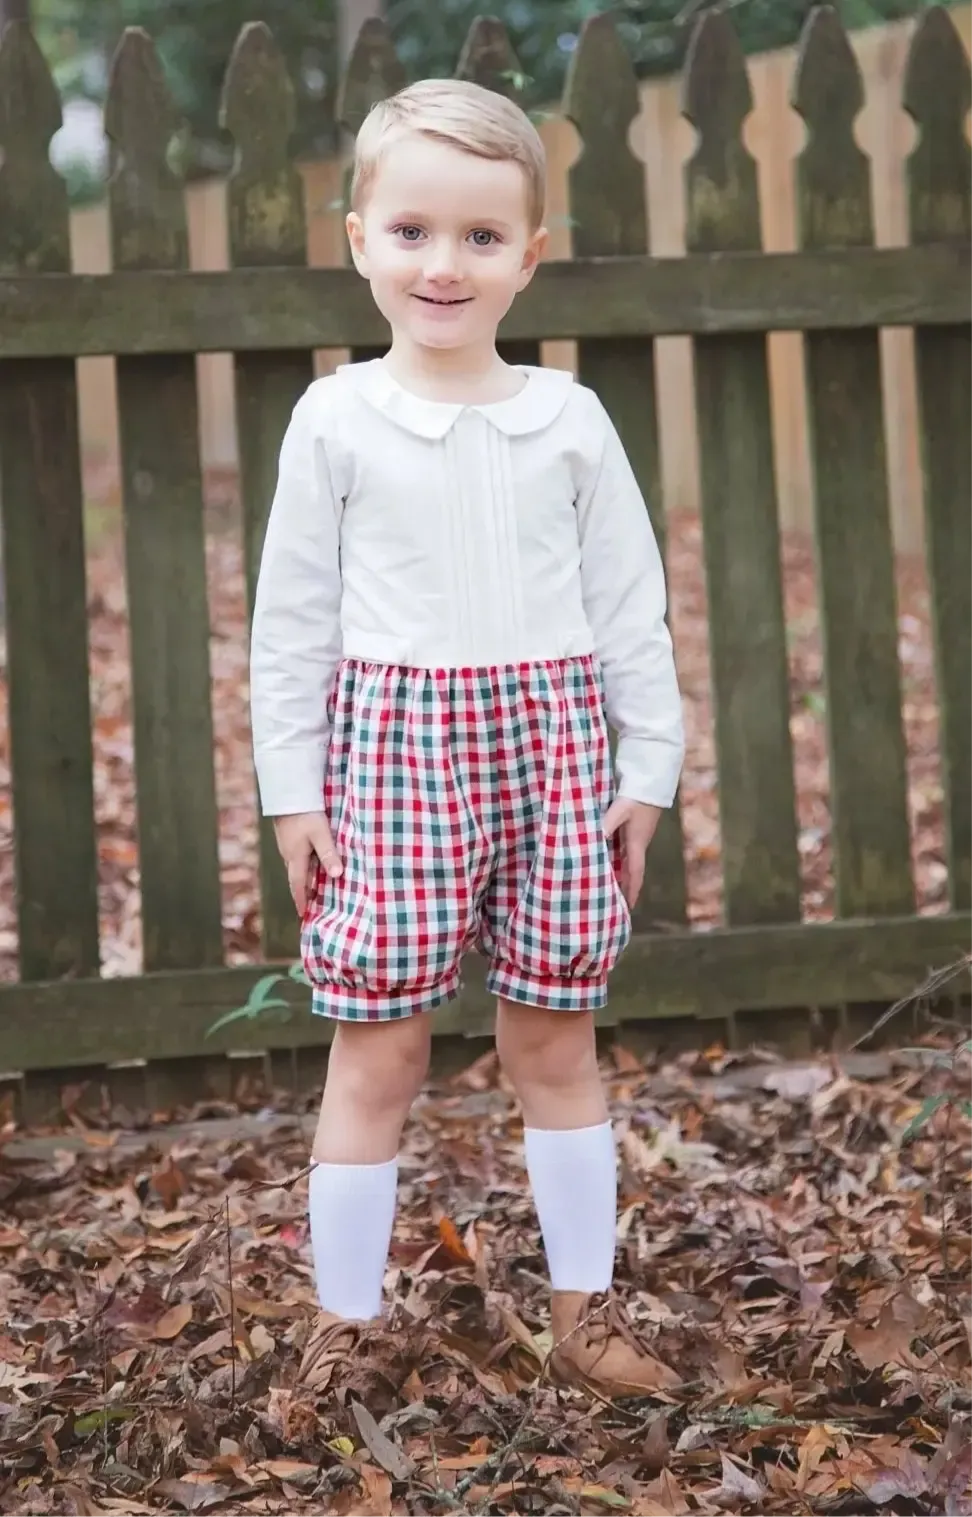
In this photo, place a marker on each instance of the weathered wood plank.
(852, 522)
(373, 72)
(937, 95)
(609, 216)
(265, 206)
(747, 637)
(705, 975)
(43, 557)
(164, 543)
(246, 310)
(487, 58)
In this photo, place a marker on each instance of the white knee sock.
(352, 1209)
(575, 1187)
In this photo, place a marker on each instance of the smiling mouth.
(432, 300)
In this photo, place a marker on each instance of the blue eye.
(409, 233)
(482, 238)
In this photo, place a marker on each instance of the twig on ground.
(933, 983)
(232, 1305)
(286, 1184)
(495, 1464)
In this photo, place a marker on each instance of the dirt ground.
(800, 1264)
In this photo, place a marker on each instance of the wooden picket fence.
(271, 311)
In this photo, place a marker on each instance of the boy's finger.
(616, 814)
(297, 880)
(325, 849)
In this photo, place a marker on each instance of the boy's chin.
(439, 341)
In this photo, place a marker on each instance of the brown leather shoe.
(367, 1360)
(331, 1341)
(597, 1346)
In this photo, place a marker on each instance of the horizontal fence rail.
(272, 313)
(249, 310)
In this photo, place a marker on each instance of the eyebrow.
(410, 216)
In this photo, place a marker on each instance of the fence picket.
(164, 543)
(373, 72)
(609, 217)
(487, 58)
(937, 95)
(852, 522)
(739, 517)
(41, 514)
(265, 204)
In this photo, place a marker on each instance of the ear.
(355, 229)
(535, 250)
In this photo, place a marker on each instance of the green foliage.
(934, 1103)
(261, 1001)
(195, 39)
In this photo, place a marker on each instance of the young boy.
(459, 581)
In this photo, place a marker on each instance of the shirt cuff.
(290, 780)
(648, 771)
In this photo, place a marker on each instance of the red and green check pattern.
(467, 805)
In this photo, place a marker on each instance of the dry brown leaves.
(803, 1272)
(114, 764)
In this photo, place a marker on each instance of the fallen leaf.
(192, 1496)
(172, 1322)
(813, 1449)
(452, 1243)
(888, 1342)
(908, 1479)
(737, 1489)
(297, 1470)
(386, 1453)
(656, 1448)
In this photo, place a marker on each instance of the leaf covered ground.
(803, 1272)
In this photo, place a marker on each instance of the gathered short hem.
(549, 992)
(344, 1004)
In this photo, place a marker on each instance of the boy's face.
(445, 241)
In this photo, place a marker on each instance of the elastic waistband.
(582, 662)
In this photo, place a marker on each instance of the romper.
(467, 805)
(453, 602)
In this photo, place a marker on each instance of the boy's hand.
(300, 838)
(637, 823)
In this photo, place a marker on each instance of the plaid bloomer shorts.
(467, 806)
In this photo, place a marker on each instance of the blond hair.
(465, 116)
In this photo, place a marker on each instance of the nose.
(442, 262)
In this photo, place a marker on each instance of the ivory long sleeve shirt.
(417, 532)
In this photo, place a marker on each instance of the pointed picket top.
(374, 71)
(722, 197)
(487, 58)
(34, 224)
(257, 105)
(265, 193)
(833, 175)
(148, 218)
(607, 182)
(30, 107)
(140, 119)
(937, 94)
(827, 83)
(716, 92)
(936, 79)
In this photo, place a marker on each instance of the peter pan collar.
(539, 403)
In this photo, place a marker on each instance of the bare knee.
(380, 1066)
(541, 1049)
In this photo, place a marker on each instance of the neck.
(461, 374)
